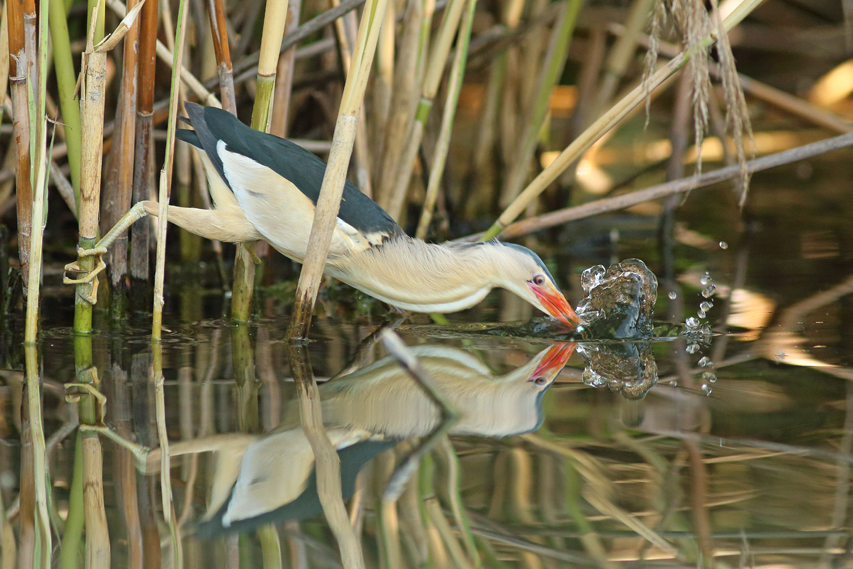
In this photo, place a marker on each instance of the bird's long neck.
(415, 275)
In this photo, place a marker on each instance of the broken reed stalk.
(328, 467)
(454, 87)
(329, 201)
(66, 81)
(92, 87)
(552, 69)
(121, 194)
(684, 185)
(166, 176)
(607, 121)
(143, 159)
(219, 33)
(18, 12)
(434, 73)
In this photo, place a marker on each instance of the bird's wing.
(303, 170)
(220, 192)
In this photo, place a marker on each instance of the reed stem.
(166, 176)
(329, 202)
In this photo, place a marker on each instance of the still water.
(732, 449)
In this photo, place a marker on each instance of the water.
(726, 437)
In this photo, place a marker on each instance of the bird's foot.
(89, 277)
(73, 392)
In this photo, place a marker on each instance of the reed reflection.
(264, 478)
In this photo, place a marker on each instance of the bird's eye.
(539, 280)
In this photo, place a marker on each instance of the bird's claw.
(73, 394)
(89, 277)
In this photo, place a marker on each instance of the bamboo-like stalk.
(97, 534)
(606, 122)
(143, 160)
(122, 192)
(74, 522)
(17, 13)
(329, 202)
(328, 468)
(66, 81)
(275, 18)
(552, 69)
(454, 87)
(166, 181)
(92, 87)
(434, 73)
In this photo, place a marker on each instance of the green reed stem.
(66, 79)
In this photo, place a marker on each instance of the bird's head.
(524, 273)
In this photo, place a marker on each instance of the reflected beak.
(556, 304)
(554, 360)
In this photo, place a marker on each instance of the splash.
(618, 302)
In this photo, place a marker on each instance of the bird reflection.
(267, 478)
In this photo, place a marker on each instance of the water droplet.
(724, 245)
(673, 383)
(672, 296)
(706, 389)
(709, 291)
(691, 323)
(705, 362)
(692, 348)
(706, 279)
(701, 314)
(706, 306)
(709, 376)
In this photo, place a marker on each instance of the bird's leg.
(136, 212)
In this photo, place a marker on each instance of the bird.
(266, 187)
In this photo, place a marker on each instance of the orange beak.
(556, 304)
(554, 360)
